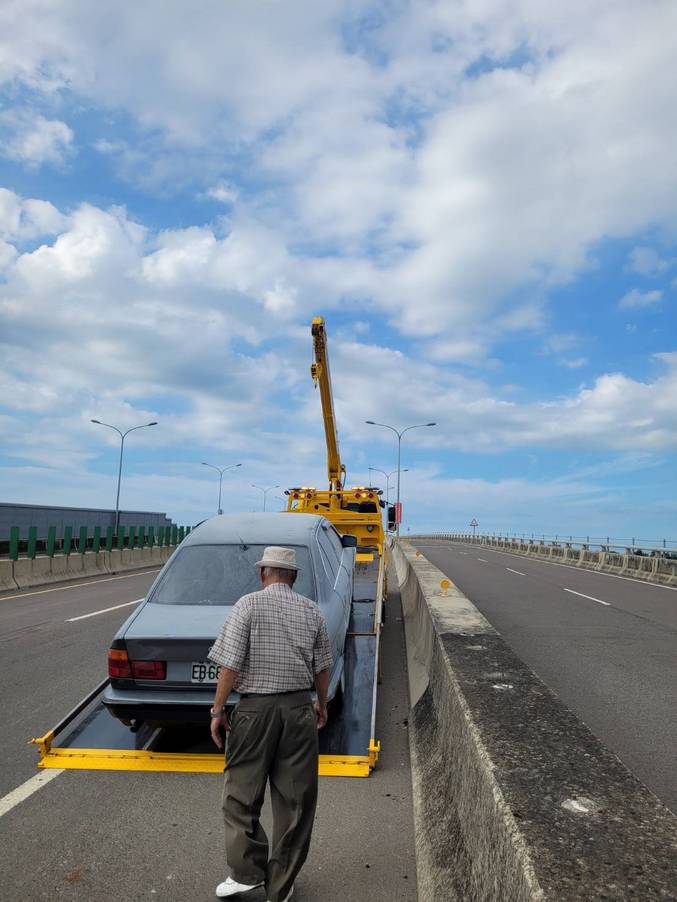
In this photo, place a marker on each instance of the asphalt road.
(606, 646)
(98, 836)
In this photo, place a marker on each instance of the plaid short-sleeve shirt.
(275, 639)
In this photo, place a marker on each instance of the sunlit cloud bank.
(480, 198)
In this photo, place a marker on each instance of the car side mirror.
(349, 541)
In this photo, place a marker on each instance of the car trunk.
(181, 635)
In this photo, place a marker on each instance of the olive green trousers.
(272, 738)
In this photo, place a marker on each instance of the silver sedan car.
(157, 663)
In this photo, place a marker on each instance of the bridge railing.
(656, 564)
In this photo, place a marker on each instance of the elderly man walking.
(272, 649)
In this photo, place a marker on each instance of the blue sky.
(481, 199)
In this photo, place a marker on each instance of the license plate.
(204, 672)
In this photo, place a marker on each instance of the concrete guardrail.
(514, 797)
(652, 568)
(41, 570)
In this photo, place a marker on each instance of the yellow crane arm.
(319, 370)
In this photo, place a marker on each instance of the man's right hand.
(322, 715)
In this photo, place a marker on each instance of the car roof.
(277, 528)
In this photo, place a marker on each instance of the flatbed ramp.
(89, 738)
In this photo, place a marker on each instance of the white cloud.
(574, 363)
(223, 193)
(22, 220)
(636, 298)
(441, 194)
(32, 139)
(646, 261)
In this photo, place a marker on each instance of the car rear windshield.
(221, 574)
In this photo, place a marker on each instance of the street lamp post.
(399, 434)
(122, 435)
(220, 471)
(387, 476)
(265, 491)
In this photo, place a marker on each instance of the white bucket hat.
(276, 556)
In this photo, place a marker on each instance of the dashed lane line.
(93, 582)
(115, 607)
(518, 572)
(483, 559)
(628, 579)
(590, 597)
(21, 793)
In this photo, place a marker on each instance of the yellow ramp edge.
(181, 762)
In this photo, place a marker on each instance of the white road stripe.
(93, 582)
(590, 597)
(483, 559)
(115, 607)
(629, 579)
(21, 793)
(463, 552)
(518, 572)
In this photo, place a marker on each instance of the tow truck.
(89, 738)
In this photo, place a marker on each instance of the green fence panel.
(14, 543)
(168, 535)
(132, 537)
(141, 537)
(182, 533)
(151, 536)
(32, 541)
(51, 541)
(82, 541)
(161, 535)
(121, 537)
(175, 534)
(67, 539)
(188, 528)
(96, 541)
(109, 538)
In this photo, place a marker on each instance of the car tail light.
(149, 670)
(118, 664)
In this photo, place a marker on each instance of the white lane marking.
(463, 552)
(21, 793)
(115, 607)
(93, 582)
(518, 572)
(590, 597)
(629, 579)
(483, 559)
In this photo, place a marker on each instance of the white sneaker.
(289, 894)
(231, 887)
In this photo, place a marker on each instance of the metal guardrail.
(667, 550)
(86, 539)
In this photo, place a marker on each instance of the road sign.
(398, 512)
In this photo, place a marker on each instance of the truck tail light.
(118, 664)
(149, 670)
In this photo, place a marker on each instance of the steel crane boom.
(319, 370)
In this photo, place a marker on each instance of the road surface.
(97, 836)
(606, 646)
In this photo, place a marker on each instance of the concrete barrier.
(24, 573)
(514, 798)
(7, 576)
(89, 563)
(34, 572)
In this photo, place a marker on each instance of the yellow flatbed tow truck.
(89, 738)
